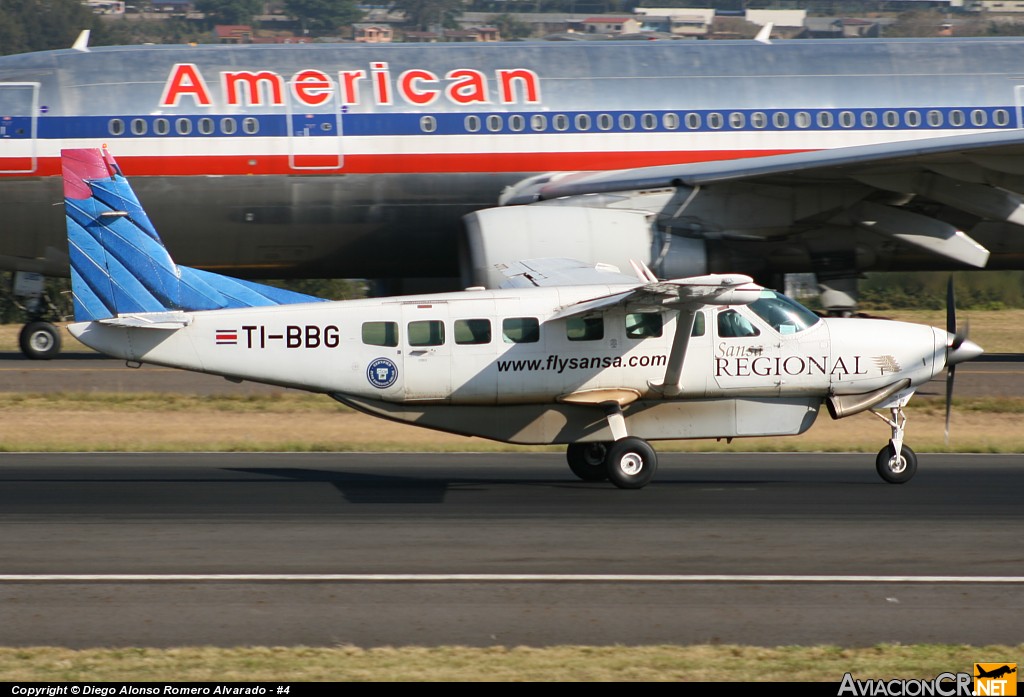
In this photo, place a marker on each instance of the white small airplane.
(563, 353)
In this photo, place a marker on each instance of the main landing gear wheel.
(896, 470)
(587, 461)
(39, 341)
(631, 463)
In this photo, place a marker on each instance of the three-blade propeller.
(956, 352)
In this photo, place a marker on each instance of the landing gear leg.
(896, 463)
(631, 462)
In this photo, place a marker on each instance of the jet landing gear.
(39, 340)
(893, 468)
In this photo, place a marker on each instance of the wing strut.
(672, 383)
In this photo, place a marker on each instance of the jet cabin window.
(380, 333)
(520, 330)
(786, 316)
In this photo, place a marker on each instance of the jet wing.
(938, 195)
(839, 163)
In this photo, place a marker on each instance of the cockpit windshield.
(785, 315)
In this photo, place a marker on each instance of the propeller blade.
(950, 373)
(950, 307)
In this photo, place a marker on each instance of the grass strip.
(463, 664)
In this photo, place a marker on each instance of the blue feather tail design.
(119, 265)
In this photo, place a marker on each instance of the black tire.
(39, 341)
(587, 461)
(896, 471)
(631, 463)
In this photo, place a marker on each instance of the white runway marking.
(500, 578)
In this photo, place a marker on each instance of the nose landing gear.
(893, 468)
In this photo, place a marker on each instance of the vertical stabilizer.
(119, 265)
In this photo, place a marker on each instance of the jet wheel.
(631, 463)
(587, 461)
(39, 341)
(896, 470)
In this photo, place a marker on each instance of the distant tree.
(323, 15)
(39, 25)
(509, 27)
(422, 15)
(230, 11)
(916, 23)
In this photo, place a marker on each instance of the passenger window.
(380, 333)
(698, 325)
(472, 331)
(643, 325)
(427, 332)
(733, 324)
(584, 328)
(520, 330)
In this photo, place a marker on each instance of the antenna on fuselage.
(82, 42)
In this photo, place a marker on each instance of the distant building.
(611, 25)
(422, 37)
(105, 7)
(372, 33)
(233, 33)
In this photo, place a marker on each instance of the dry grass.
(496, 664)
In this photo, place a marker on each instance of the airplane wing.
(839, 163)
(945, 201)
(686, 295)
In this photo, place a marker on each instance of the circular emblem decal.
(382, 373)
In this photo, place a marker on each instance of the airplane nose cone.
(966, 351)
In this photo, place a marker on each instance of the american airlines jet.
(410, 161)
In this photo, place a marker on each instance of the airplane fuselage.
(435, 360)
(352, 160)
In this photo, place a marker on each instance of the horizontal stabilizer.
(150, 320)
(119, 265)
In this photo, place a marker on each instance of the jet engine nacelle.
(591, 235)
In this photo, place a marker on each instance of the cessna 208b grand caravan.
(565, 353)
(833, 157)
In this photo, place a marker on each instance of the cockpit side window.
(733, 324)
(786, 316)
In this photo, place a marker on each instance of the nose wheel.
(896, 469)
(892, 467)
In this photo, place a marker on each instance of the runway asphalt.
(722, 548)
